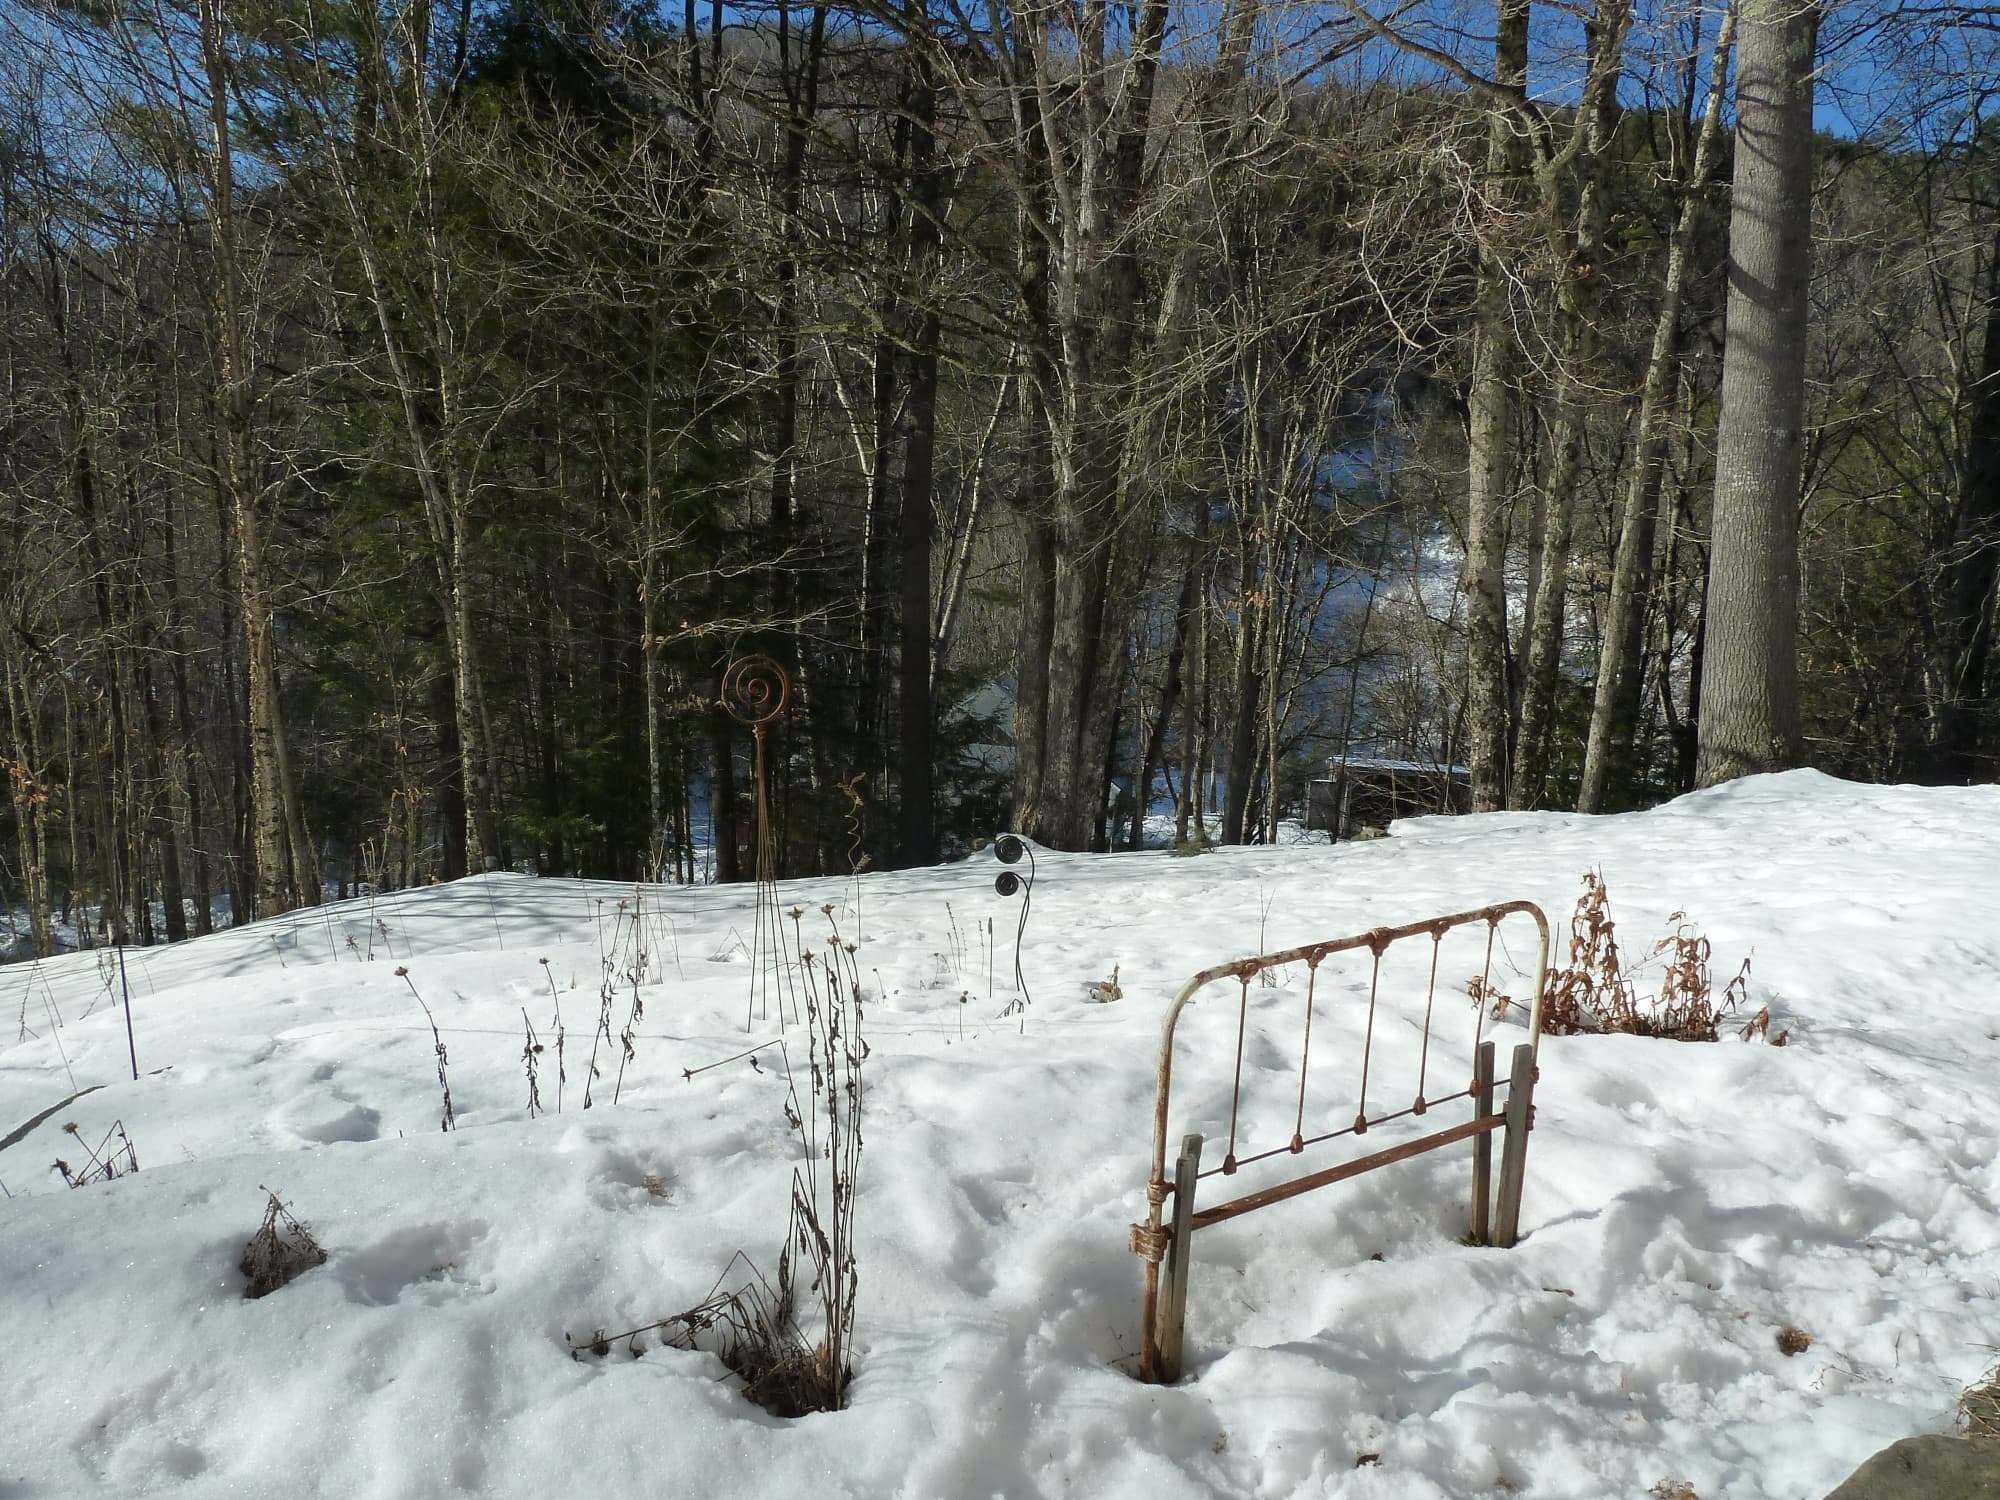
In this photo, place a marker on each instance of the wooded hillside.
(409, 412)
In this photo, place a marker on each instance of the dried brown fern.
(1593, 992)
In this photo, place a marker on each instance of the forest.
(1095, 411)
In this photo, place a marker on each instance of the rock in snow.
(1928, 1468)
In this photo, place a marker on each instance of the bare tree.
(1615, 702)
(388, 134)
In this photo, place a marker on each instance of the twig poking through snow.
(450, 1120)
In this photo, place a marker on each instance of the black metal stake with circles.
(1008, 849)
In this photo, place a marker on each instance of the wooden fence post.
(1180, 1244)
(1514, 1156)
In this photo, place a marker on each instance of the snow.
(1684, 1201)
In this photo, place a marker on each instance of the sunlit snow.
(1684, 1202)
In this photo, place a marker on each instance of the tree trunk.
(1243, 732)
(1489, 470)
(799, 81)
(1577, 297)
(1973, 573)
(1194, 739)
(723, 807)
(1031, 673)
(965, 534)
(269, 835)
(1750, 703)
(880, 524)
(164, 824)
(435, 421)
(1607, 759)
(1034, 495)
(916, 752)
(454, 827)
(30, 798)
(651, 549)
(1072, 776)
(1171, 685)
(1102, 830)
(306, 887)
(108, 677)
(1081, 161)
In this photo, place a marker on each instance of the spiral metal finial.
(755, 690)
(1010, 849)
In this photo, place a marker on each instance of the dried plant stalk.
(106, 1161)
(1593, 992)
(281, 1248)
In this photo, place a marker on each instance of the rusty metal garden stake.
(1008, 849)
(755, 692)
(125, 985)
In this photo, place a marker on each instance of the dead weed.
(280, 1250)
(1979, 1406)
(1594, 991)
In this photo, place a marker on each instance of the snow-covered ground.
(1684, 1202)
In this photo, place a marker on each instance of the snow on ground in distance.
(1684, 1202)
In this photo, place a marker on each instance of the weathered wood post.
(1179, 1261)
(1514, 1155)
(1482, 1145)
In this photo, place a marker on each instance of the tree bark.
(1614, 705)
(1973, 572)
(1171, 685)
(1489, 469)
(30, 798)
(916, 752)
(1031, 673)
(164, 825)
(879, 544)
(1082, 120)
(269, 838)
(965, 534)
(724, 809)
(1577, 298)
(1243, 732)
(1750, 703)
(454, 826)
(1034, 495)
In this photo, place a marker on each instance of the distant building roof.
(1334, 765)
